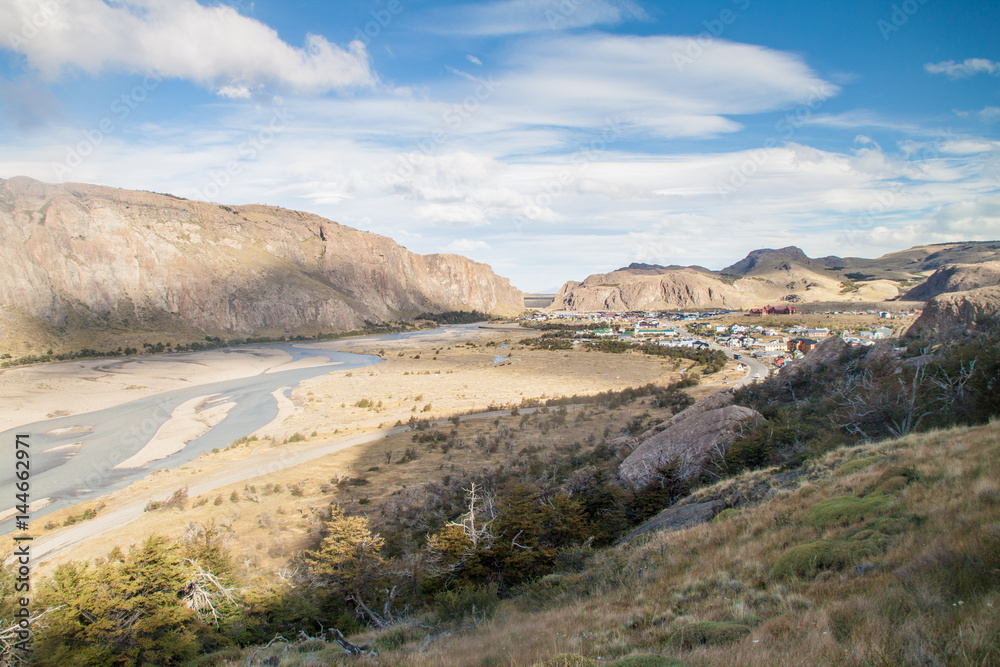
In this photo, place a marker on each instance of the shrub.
(806, 560)
(457, 604)
(707, 633)
(843, 510)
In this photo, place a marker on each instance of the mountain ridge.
(80, 257)
(770, 275)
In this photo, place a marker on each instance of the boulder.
(690, 440)
(679, 517)
(827, 353)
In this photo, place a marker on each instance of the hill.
(956, 278)
(767, 276)
(87, 265)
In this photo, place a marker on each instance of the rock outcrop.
(75, 254)
(690, 441)
(957, 312)
(678, 517)
(826, 353)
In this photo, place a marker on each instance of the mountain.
(768, 259)
(769, 276)
(86, 258)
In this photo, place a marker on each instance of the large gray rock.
(679, 517)
(691, 440)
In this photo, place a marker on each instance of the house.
(817, 333)
(720, 328)
(883, 332)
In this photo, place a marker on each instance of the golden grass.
(928, 597)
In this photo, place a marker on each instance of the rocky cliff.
(958, 311)
(78, 255)
(658, 288)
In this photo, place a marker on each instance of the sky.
(550, 139)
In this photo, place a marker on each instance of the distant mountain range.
(769, 276)
(86, 265)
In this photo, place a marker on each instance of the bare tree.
(477, 520)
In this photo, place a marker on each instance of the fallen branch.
(349, 648)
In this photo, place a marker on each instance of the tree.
(128, 610)
(348, 563)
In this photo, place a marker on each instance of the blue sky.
(548, 138)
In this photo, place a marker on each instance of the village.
(743, 332)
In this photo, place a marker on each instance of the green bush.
(806, 560)
(844, 510)
(855, 465)
(462, 602)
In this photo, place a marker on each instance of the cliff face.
(630, 289)
(75, 252)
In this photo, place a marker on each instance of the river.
(73, 458)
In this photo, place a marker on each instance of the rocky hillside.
(958, 311)
(956, 278)
(89, 257)
(769, 276)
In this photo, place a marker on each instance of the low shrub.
(806, 560)
(707, 633)
(844, 510)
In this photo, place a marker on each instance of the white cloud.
(969, 146)
(215, 47)
(989, 114)
(587, 81)
(474, 60)
(512, 17)
(462, 246)
(452, 214)
(855, 119)
(964, 69)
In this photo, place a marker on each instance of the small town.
(736, 331)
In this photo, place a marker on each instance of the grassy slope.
(885, 554)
